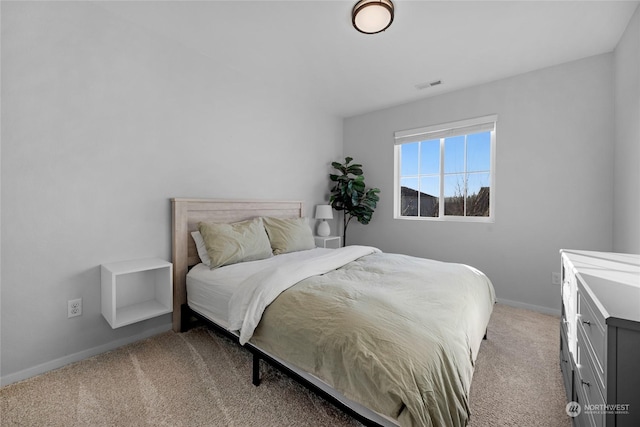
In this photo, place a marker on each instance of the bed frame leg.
(485, 334)
(185, 318)
(256, 370)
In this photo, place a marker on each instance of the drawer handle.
(587, 322)
(585, 383)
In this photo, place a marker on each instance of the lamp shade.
(372, 16)
(324, 212)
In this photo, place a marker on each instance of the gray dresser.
(600, 337)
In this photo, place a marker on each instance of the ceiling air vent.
(428, 85)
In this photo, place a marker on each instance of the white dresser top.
(613, 279)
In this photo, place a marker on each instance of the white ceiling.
(309, 48)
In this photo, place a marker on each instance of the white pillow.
(201, 248)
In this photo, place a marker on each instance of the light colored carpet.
(202, 379)
(517, 380)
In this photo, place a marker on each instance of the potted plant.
(349, 194)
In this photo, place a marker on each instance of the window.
(446, 171)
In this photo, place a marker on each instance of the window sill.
(482, 219)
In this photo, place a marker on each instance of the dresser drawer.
(587, 383)
(591, 323)
(583, 419)
(566, 365)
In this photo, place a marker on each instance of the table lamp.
(324, 212)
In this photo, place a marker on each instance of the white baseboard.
(81, 355)
(538, 308)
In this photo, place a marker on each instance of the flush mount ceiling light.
(372, 16)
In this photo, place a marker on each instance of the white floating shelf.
(136, 290)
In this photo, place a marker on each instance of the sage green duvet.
(396, 333)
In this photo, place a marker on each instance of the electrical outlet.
(555, 278)
(74, 307)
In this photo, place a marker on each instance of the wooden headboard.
(187, 213)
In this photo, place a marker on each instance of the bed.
(390, 339)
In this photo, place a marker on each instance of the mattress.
(209, 291)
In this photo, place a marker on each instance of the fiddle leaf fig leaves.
(349, 193)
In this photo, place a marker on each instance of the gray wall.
(102, 123)
(626, 224)
(554, 176)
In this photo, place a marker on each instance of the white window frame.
(442, 131)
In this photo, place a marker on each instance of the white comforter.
(259, 290)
